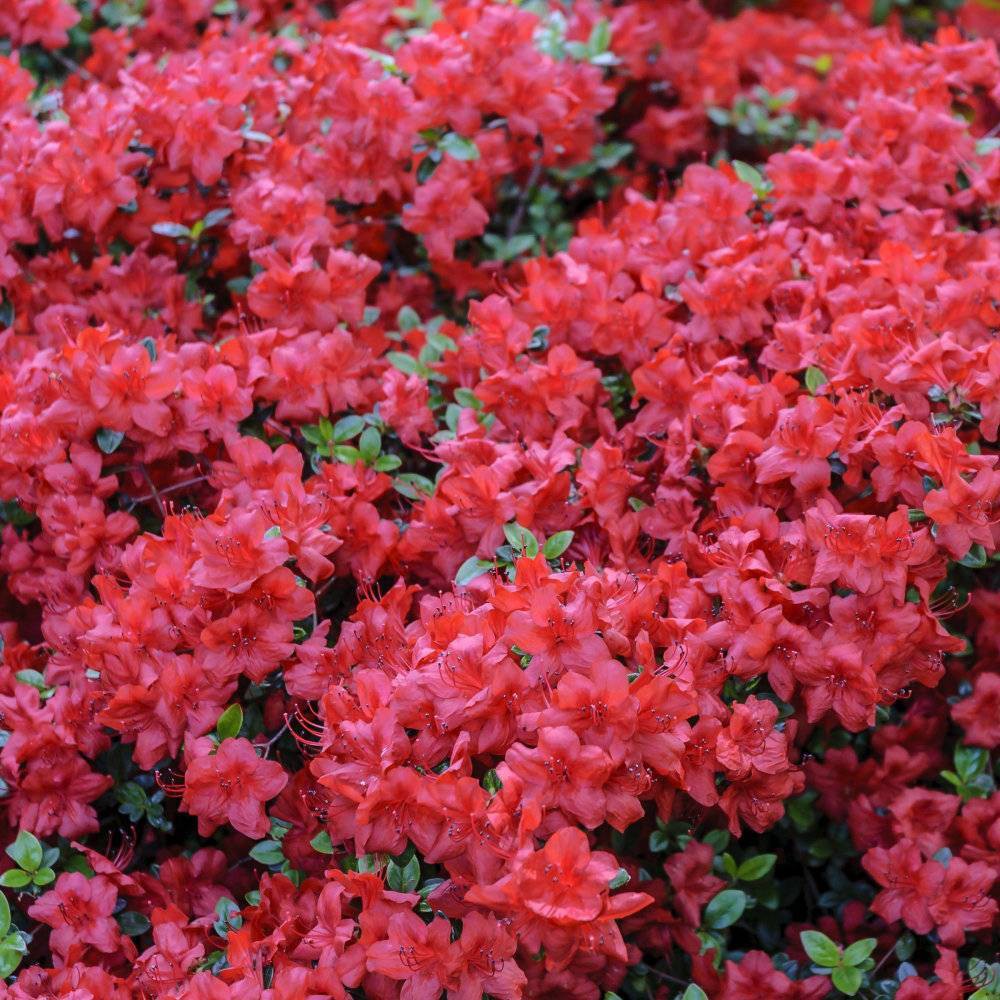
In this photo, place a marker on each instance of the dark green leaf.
(621, 878)
(725, 909)
(133, 924)
(975, 558)
(108, 441)
(971, 761)
(321, 843)
(267, 852)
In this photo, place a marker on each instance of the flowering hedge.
(499, 499)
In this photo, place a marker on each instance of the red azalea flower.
(231, 786)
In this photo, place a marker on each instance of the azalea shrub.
(499, 499)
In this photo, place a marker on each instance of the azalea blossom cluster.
(499, 499)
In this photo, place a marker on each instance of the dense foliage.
(499, 499)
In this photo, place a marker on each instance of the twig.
(156, 494)
(668, 978)
(882, 961)
(72, 66)
(274, 739)
(522, 203)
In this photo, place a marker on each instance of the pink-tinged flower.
(79, 911)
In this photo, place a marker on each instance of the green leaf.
(491, 782)
(820, 948)
(26, 852)
(856, 953)
(905, 946)
(36, 680)
(814, 379)
(472, 568)
(108, 441)
(600, 37)
(404, 878)
(694, 992)
(14, 878)
(458, 147)
(415, 483)
(718, 840)
(521, 539)
(508, 249)
(975, 558)
(823, 64)
(407, 319)
(10, 957)
(133, 924)
(348, 427)
(216, 216)
(555, 545)
(4, 915)
(756, 868)
(406, 363)
(346, 453)
(468, 399)
(659, 841)
(273, 532)
(847, 980)
(621, 878)
(173, 230)
(227, 915)
(971, 762)
(150, 346)
(753, 177)
(132, 799)
(267, 852)
(725, 909)
(44, 876)
(369, 445)
(321, 843)
(230, 723)
(386, 463)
